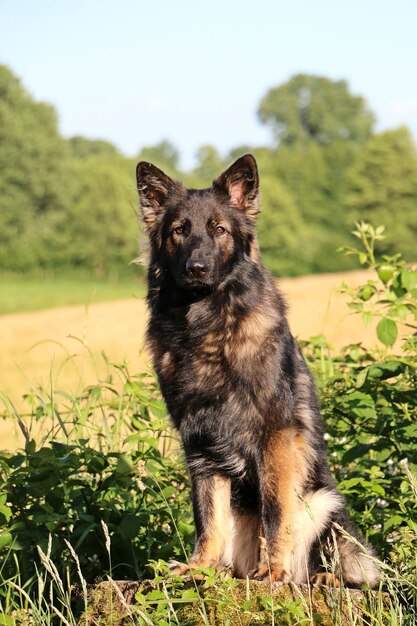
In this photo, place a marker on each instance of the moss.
(232, 602)
(109, 604)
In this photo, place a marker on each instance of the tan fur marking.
(211, 548)
(246, 543)
(305, 453)
(254, 253)
(283, 481)
(248, 337)
(326, 579)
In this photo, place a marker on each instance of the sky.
(135, 72)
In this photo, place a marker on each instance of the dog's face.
(197, 235)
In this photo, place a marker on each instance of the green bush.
(66, 490)
(369, 405)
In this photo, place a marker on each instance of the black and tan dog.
(238, 389)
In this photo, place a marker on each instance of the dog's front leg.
(279, 480)
(212, 516)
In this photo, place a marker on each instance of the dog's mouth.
(199, 285)
(195, 284)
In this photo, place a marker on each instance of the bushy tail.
(355, 561)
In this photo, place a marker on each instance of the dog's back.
(237, 387)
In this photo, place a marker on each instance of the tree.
(81, 148)
(164, 155)
(383, 189)
(33, 182)
(314, 108)
(282, 232)
(101, 223)
(209, 165)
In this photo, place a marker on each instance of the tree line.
(71, 203)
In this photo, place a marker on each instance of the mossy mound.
(229, 603)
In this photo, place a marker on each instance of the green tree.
(164, 155)
(101, 223)
(283, 234)
(33, 181)
(383, 189)
(209, 165)
(315, 108)
(81, 148)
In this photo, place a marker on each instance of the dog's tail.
(355, 559)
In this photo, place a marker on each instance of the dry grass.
(63, 346)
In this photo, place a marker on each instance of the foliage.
(101, 223)
(314, 108)
(67, 489)
(68, 203)
(383, 189)
(33, 181)
(81, 148)
(370, 406)
(164, 154)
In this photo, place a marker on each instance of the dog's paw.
(274, 574)
(326, 579)
(178, 569)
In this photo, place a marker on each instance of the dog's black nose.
(196, 267)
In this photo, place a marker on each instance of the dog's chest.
(217, 358)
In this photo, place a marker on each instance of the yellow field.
(63, 346)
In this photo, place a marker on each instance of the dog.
(239, 392)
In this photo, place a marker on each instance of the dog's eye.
(179, 230)
(220, 230)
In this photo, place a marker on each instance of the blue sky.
(135, 72)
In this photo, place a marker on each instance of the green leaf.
(387, 331)
(189, 594)
(395, 520)
(129, 526)
(385, 369)
(6, 511)
(123, 466)
(385, 272)
(6, 538)
(351, 482)
(367, 318)
(356, 452)
(408, 279)
(361, 377)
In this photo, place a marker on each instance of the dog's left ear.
(241, 183)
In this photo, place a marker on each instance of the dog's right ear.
(153, 188)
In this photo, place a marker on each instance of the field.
(62, 347)
(33, 293)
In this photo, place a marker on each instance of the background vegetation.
(104, 491)
(68, 204)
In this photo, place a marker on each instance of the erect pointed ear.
(153, 188)
(241, 183)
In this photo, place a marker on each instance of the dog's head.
(198, 235)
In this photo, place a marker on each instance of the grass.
(34, 293)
